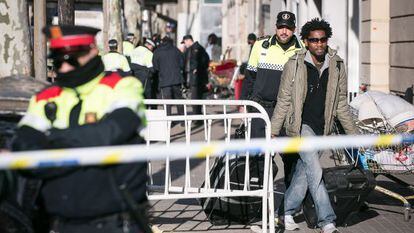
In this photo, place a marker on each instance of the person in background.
(251, 39)
(213, 49)
(156, 38)
(128, 45)
(168, 62)
(196, 66)
(115, 61)
(141, 65)
(312, 93)
(86, 107)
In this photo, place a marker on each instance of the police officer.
(196, 65)
(128, 45)
(141, 64)
(86, 107)
(263, 75)
(251, 39)
(265, 66)
(115, 61)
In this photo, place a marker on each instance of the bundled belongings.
(246, 209)
(381, 113)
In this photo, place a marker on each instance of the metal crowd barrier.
(213, 111)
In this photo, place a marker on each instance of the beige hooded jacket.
(292, 94)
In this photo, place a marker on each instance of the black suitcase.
(348, 188)
(244, 210)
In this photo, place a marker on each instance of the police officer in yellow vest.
(263, 75)
(141, 65)
(265, 66)
(128, 45)
(86, 107)
(114, 61)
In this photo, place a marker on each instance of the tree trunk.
(39, 50)
(132, 11)
(66, 12)
(112, 23)
(15, 57)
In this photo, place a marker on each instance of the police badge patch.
(285, 16)
(90, 117)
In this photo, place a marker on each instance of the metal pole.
(39, 12)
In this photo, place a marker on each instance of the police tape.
(139, 153)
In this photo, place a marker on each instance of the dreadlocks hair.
(313, 25)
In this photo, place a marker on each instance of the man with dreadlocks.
(313, 90)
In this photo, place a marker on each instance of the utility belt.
(262, 102)
(117, 218)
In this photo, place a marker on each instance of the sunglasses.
(59, 57)
(317, 40)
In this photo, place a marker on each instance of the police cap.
(113, 43)
(150, 42)
(64, 36)
(286, 18)
(130, 36)
(187, 37)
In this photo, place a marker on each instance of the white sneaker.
(330, 228)
(290, 224)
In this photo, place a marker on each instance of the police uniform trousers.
(147, 84)
(289, 160)
(196, 94)
(145, 77)
(172, 92)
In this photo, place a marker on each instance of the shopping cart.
(380, 113)
(220, 77)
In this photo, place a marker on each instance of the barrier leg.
(271, 198)
(265, 193)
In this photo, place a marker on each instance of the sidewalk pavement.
(384, 214)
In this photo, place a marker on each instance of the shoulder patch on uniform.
(50, 92)
(265, 44)
(111, 79)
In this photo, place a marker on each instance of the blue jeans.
(308, 175)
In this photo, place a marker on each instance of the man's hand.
(194, 71)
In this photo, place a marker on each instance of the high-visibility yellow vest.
(114, 61)
(142, 56)
(102, 95)
(127, 48)
(267, 59)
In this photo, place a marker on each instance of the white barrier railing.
(158, 122)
